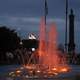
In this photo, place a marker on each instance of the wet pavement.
(73, 75)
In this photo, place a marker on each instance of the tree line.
(10, 43)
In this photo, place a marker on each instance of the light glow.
(38, 71)
(18, 72)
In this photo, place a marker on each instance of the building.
(71, 44)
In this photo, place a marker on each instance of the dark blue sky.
(24, 16)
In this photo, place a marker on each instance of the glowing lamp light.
(38, 71)
(54, 69)
(33, 49)
(64, 70)
(18, 72)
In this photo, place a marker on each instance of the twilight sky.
(24, 16)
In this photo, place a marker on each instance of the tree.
(9, 40)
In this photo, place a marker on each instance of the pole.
(66, 26)
(46, 11)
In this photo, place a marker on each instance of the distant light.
(18, 71)
(54, 69)
(38, 71)
(33, 49)
(21, 43)
(64, 70)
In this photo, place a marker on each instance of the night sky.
(24, 16)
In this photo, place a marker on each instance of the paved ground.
(73, 75)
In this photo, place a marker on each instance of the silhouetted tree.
(9, 40)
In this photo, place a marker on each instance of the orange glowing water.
(49, 54)
(51, 60)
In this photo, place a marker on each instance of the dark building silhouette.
(71, 45)
(30, 43)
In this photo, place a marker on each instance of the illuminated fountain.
(49, 55)
(50, 60)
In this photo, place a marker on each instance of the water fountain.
(50, 60)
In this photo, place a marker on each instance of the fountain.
(49, 55)
(48, 52)
(50, 60)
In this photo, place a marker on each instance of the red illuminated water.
(48, 50)
(51, 60)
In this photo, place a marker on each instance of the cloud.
(29, 23)
(29, 19)
(25, 15)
